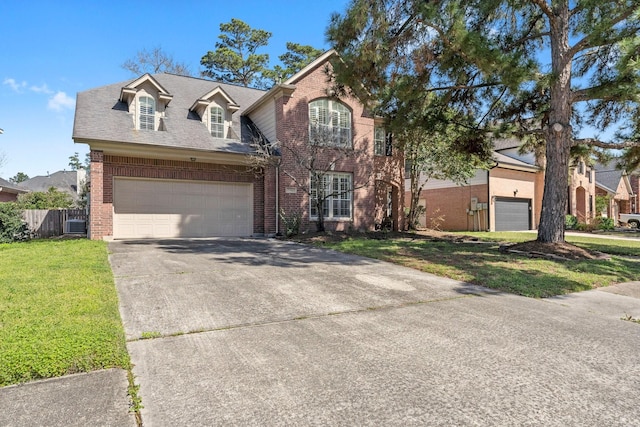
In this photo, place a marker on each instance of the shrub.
(581, 226)
(50, 199)
(603, 223)
(291, 223)
(13, 228)
(570, 222)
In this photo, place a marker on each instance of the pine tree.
(538, 69)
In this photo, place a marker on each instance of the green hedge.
(13, 227)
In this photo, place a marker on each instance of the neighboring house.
(634, 179)
(170, 157)
(615, 184)
(508, 197)
(505, 197)
(69, 182)
(9, 191)
(582, 192)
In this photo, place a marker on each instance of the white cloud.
(60, 101)
(16, 86)
(41, 89)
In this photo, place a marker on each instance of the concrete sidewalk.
(91, 399)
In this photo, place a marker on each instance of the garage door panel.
(159, 208)
(512, 214)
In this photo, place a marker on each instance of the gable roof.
(207, 97)
(310, 67)
(130, 90)
(10, 187)
(102, 117)
(506, 143)
(508, 162)
(608, 176)
(66, 181)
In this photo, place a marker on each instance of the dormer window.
(147, 102)
(217, 122)
(147, 117)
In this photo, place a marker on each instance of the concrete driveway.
(262, 332)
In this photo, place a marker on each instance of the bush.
(570, 222)
(13, 227)
(603, 223)
(50, 199)
(291, 223)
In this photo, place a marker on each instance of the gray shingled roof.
(506, 143)
(14, 188)
(502, 158)
(65, 181)
(101, 116)
(608, 176)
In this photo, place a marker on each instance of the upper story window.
(329, 123)
(378, 141)
(217, 121)
(147, 116)
(382, 142)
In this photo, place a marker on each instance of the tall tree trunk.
(558, 133)
(320, 221)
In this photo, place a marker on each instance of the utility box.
(474, 203)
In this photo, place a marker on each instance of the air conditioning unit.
(76, 226)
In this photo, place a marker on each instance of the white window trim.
(337, 197)
(212, 123)
(146, 114)
(332, 122)
(379, 141)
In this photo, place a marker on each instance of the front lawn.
(58, 310)
(483, 264)
(608, 246)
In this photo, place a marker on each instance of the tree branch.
(591, 94)
(544, 7)
(584, 43)
(607, 145)
(461, 87)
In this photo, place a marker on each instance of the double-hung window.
(329, 123)
(217, 122)
(336, 190)
(379, 141)
(382, 142)
(147, 117)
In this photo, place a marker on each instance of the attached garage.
(512, 214)
(153, 208)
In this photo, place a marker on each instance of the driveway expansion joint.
(303, 317)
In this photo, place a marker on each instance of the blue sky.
(50, 50)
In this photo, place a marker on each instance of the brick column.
(96, 208)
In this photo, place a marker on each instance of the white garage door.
(159, 208)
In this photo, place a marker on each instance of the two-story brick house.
(171, 157)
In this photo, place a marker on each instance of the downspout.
(277, 196)
(489, 201)
(487, 220)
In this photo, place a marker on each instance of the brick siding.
(292, 128)
(105, 167)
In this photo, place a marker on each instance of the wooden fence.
(48, 223)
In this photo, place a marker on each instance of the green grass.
(608, 246)
(58, 310)
(483, 264)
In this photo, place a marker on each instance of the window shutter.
(389, 144)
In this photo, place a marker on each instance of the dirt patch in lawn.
(562, 250)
